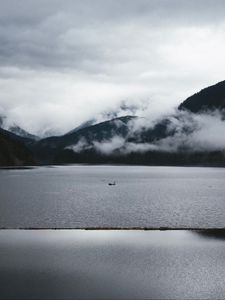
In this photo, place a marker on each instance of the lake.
(79, 264)
(80, 196)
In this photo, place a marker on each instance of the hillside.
(130, 139)
(92, 144)
(13, 152)
(210, 98)
(15, 129)
(46, 149)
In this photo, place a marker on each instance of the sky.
(65, 62)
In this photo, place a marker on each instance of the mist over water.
(80, 197)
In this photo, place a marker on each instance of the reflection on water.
(212, 233)
(111, 265)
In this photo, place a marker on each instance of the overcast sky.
(65, 61)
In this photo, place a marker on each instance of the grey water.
(79, 264)
(80, 197)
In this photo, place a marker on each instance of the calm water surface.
(111, 265)
(79, 196)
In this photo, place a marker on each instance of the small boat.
(112, 183)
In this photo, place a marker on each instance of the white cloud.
(80, 146)
(186, 132)
(201, 132)
(62, 63)
(109, 146)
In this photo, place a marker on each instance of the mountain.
(47, 149)
(108, 141)
(84, 145)
(17, 130)
(130, 139)
(13, 151)
(210, 98)
(82, 126)
(21, 132)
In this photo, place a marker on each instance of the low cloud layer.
(201, 132)
(185, 132)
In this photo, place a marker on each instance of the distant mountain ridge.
(82, 144)
(48, 148)
(21, 132)
(208, 99)
(17, 130)
(82, 126)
